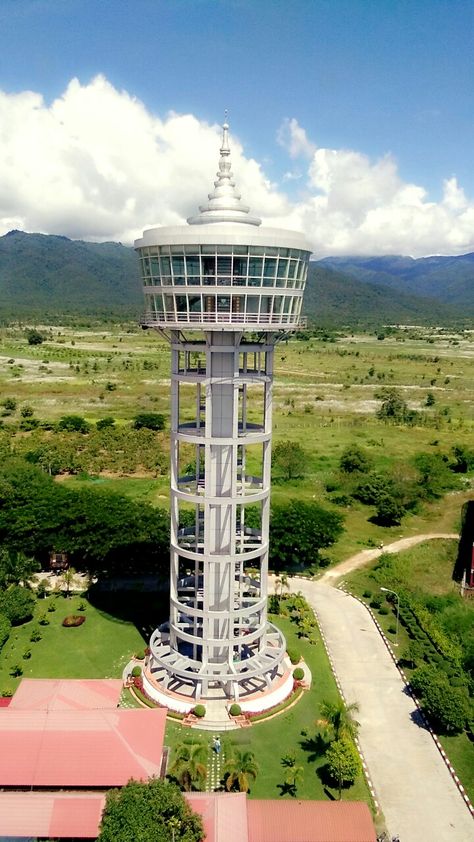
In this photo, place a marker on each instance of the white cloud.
(96, 164)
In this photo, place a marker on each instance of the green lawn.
(100, 648)
(294, 730)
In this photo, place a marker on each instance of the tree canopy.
(299, 531)
(289, 459)
(152, 811)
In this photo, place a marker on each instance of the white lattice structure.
(240, 286)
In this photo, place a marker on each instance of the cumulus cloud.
(97, 164)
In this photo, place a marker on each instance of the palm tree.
(294, 775)
(189, 765)
(339, 719)
(241, 767)
(67, 579)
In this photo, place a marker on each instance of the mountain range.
(43, 275)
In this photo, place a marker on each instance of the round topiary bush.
(294, 655)
(376, 602)
(140, 655)
(235, 710)
(199, 711)
(73, 620)
(136, 671)
(298, 674)
(367, 594)
(383, 610)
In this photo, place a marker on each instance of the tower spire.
(224, 203)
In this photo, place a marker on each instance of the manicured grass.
(293, 731)
(100, 648)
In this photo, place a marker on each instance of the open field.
(325, 399)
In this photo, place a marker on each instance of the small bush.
(16, 670)
(51, 608)
(27, 654)
(367, 594)
(294, 655)
(383, 609)
(392, 629)
(73, 620)
(376, 602)
(136, 671)
(140, 655)
(199, 711)
(82, 606)
(235, 710)
(298, 674)
(35, 635)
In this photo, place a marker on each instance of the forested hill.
(45, 275)
(42, 273)
(334, 298)
(448, 279)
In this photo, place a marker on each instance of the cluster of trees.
(427, 476)
(100, 531)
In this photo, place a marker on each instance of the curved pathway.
(416, 792)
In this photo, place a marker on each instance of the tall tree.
(289, 459)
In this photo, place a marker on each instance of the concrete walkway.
(416, 792)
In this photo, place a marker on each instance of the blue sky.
(376, 77)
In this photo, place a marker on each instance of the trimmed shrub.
(16, 670)
(73, 620)
(298, 674)
(235, 710)
(367, 594)
(392, 629)
(35, 635)
(199, 711)
(294, 655)
(136, 671)
(43, 620)
(446, 707)
(383, 609)
(27, 654)
(376, 602)
(140, 655)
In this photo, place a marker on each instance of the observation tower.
(223, 290)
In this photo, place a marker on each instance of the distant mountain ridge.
(448, 279)
(43, 274)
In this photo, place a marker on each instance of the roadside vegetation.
(435, 638)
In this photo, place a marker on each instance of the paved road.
(416, 792)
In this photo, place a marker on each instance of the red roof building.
(73, 737)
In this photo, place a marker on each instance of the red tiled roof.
(309, 821)
(51, 814)
(224, 815)
(88, 748)
(62, 694)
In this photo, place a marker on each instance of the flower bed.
(73, 620)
